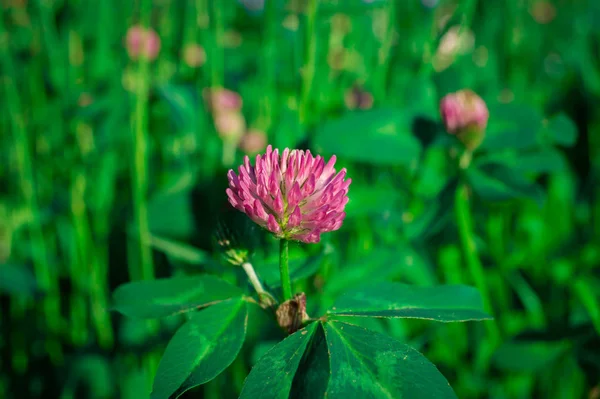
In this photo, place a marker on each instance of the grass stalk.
(141, 144)
(44, 272)
(309, 67)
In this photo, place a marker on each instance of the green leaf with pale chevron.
(201, 349)
(168, 296)
(367, 364)
(446, 303)
(272, 376)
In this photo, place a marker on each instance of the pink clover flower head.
(463, 111)
(294, 195)
(142, 42)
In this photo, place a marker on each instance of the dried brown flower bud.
(292, 313)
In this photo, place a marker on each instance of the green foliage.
(313, 375)
(496, 182)
(180, 251)
(440, 303)
(369, 364)
(210, 339)
(170, 296)
(273, 375)
(201, 349)
(381, 137)
(346, 360)
(178, 222)
(114, 172)
(562, 131)
(512, 126)
(183, 105)
(17, 280)
(527, 356)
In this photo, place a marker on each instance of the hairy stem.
(465, 229)
(284, 270)
(266, 299)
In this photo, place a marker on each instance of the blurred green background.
(115, 145)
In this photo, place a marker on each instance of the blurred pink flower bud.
(142, 42)
(463, 110)
(230, 125)
(222, 100)
(465, 113)
(341, 24)
(543, 11)
(14, 3)
(194, 55)
(254, 141)
(290, 22)
(357, 97)
(294, 195)
(85, 99)
(253, 5)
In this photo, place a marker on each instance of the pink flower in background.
(222, 100)
(293, 194)
(142, 42)
(230, 125)
(14, 3)
(253, 5)
(464, 110)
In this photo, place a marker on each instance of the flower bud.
(235, 239)
(465, 114)
(357, 97)
(253, 6)
(142, 42)
(222, 100)
(194, 55)
(291, 314)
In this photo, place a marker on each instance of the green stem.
(140, 168)
(309, 68)
(587, 296)
(465, 230)
(383, 61)
(594, 156)
(217, 60)
(284, 270)
(229, 148)
(269, 67)
(81, 272)
(144, 270)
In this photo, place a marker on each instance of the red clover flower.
(294, 195)
(463, 110)
(465, 114)
(142, 42)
